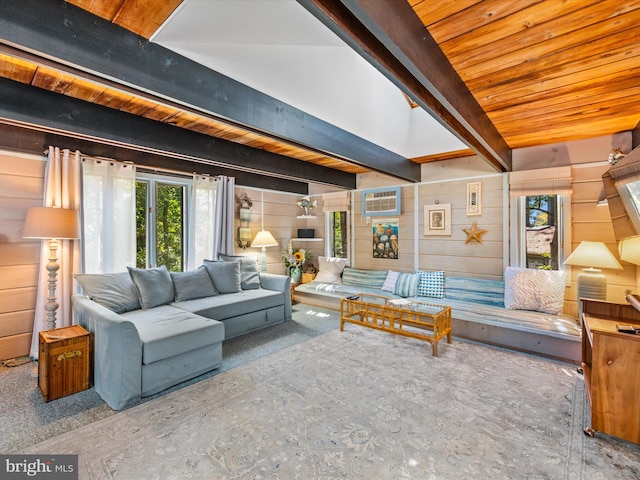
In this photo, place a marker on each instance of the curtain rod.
(143, 168)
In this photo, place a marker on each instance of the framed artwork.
(245, 215)
(437, 219)
(244, 237)
(385, 239)
(474, 199)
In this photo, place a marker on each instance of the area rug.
(360, 404)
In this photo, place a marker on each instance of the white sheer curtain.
(108, 216)
(201, 220)
(61, 189)
(223, 224)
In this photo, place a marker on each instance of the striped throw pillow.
(407, 284)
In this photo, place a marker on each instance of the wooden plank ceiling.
(544, 71)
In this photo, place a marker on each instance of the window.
(161, 223)
(539, 241)
(338, 234)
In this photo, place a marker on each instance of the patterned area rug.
(360, 404)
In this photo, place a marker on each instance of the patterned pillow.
(390, 282)
(537, 290)
(407, 285)
(431, 284)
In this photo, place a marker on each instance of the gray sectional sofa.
(152, 329)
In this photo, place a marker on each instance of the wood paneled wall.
(450, 253)
(21, 185)
(281, 219)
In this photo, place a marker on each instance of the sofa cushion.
(249, 271)
(154, 286)
(167, 331)
(537, 290)
(407, 285)
(431, 284)
(226, 276)
(390, 282)
(192, 284)
(230, 305)
(330, 269)
(358, 277)
(477, 290)
(114, 291)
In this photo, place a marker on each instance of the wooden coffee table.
(401, 317)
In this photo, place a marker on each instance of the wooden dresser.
(63, 364)
(611, 365)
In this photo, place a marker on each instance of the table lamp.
(264, 239)
(53, 224)
(592, 283)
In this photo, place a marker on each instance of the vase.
(296, 275)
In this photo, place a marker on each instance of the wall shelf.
(306, 216)
(314, 239)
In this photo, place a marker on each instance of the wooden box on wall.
(63, 364)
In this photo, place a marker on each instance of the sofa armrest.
(117, 358)
(278, 283)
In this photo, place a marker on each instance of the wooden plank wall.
(21, 185)
(281, 219)
(449, 253)
(593, 223)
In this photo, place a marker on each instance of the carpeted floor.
(358, 404)
(25, 419)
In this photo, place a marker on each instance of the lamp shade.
(264, 239)
(51, 222)
(629, 250)
(593, 255)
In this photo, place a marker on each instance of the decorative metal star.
(474, 233)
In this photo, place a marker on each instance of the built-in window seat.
(478, 312)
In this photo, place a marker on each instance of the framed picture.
(474, 199)
(245, 215)
(437, 219)
(244, 237)
(385, 238)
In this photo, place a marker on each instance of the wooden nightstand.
(63, 364)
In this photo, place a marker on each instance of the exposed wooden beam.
(72, 36)
(436, 157)
(29, 140)
(389, 35)
(25, 105)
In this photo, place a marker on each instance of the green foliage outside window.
(168, 235)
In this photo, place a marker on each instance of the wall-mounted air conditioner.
(383, 201)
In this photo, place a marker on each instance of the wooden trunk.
(63, 366)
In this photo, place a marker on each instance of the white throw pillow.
(390, 282)
(330, 269)
(537, 290)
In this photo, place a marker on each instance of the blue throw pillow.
(431, 284)
(154, 286)
(407, 284)
(192, 284)
(226, 276)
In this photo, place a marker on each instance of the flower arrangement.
(295, 258)
(307, 204)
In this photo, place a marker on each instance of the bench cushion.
(357, 277)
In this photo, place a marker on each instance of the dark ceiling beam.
(23, 104)
(390, 36)
(69, 35)
(34, 141)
